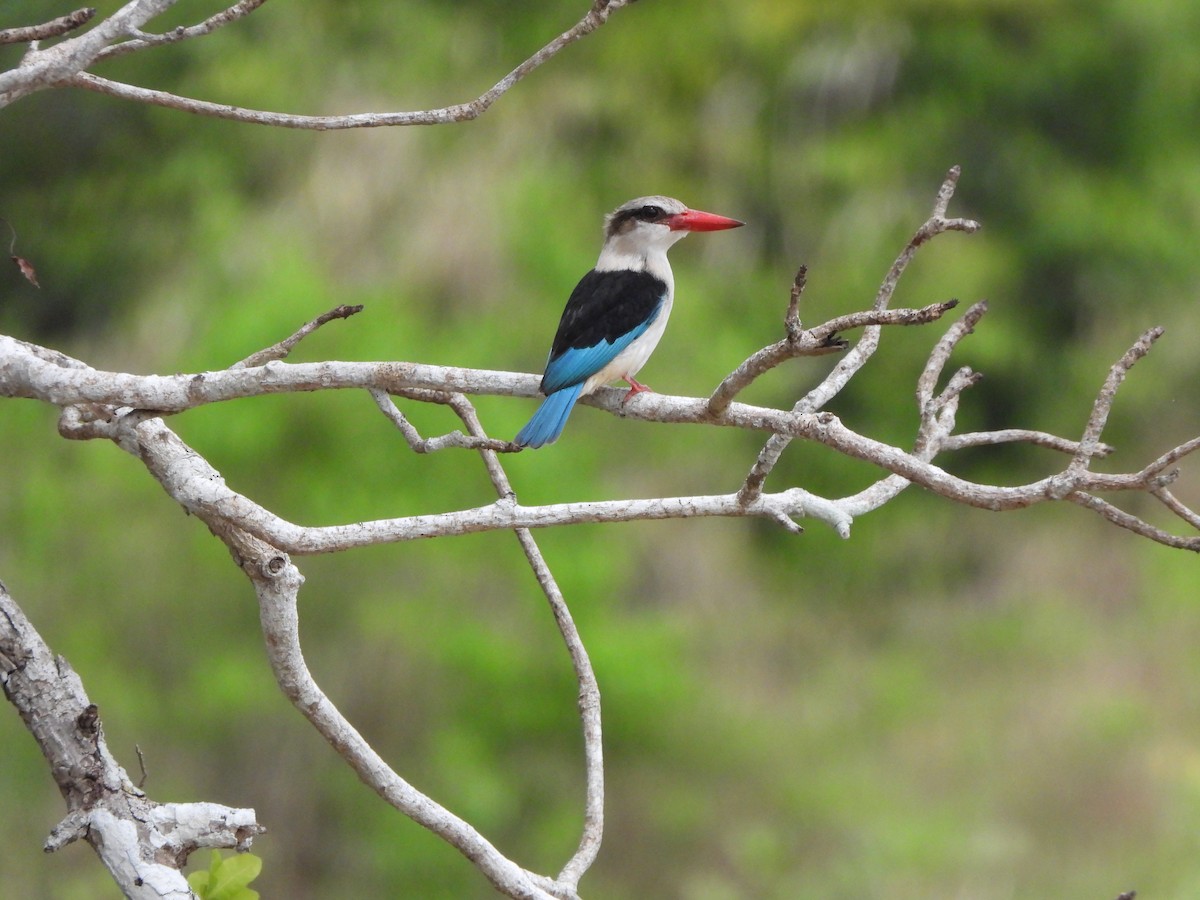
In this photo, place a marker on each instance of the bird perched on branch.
(618, 311)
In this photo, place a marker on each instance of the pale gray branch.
(1171, 457)
(589, 688)
(818, 341)
(850, 364)
(98, 405)
(288, 344)
(277, 583)
(1017, 435)
(199, 488)
(142, 843)
(45, 68)
(1119, 517)
(420, 444)
(142, 40)
(52, 29)
(940, 355)
(459, 112)
(1173, 503)
(1104, 399)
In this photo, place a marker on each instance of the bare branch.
(849, 365)
(791, 319)
(142, 40)
(1170, 458)
(1108, 393)
(142, 843)
(39, 374)
(1171, 502)
(589, 689)
(40, 69)
(1131, 522)
(818, 341)
(93, 402)
(431, 445)
(865, 348)
(1017, 435)
(288, 344)
(940, 355)
(52, 29)
(460, 112)
(199, 488)
(277, 583)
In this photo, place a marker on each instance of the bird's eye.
(650, 213)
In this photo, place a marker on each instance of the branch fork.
(131, 410)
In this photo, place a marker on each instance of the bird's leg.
(635, 387)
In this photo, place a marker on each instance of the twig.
(1119, 517)
(589, 688)
(791, 319)
(1170, 458)
(288, 344)
(277, 583)
(935, 225)
(940, 355)
(431, 445)
(1171, 502)
(182, 32)
(1017, 435)
(52, 29)
(816, 341)
(849, 365)
(460, 112)
(1108, 392)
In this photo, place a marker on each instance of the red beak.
(695, 220)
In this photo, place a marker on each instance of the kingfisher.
(618, 311)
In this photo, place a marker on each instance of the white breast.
(629, 361)
(653, 259)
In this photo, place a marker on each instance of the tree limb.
(849, 365)
(42, 69)
(129, 410)
(52, 29)
(143, 844)
(459, 112)
(142, 40)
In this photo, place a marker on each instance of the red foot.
(635, 387)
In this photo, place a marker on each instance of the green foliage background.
(949, 704)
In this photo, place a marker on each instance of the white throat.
(642, 249)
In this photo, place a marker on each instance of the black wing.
(605, 306)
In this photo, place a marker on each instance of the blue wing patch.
(577, 364)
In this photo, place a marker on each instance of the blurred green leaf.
(227, 878)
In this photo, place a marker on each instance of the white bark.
(65, 65)
(144, 843)
(131, 411)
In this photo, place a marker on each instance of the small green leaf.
(227, 879)
(198, 882)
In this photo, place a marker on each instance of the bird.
(617, 313)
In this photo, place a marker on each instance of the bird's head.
(651, 225)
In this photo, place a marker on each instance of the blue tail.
(547, 423)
